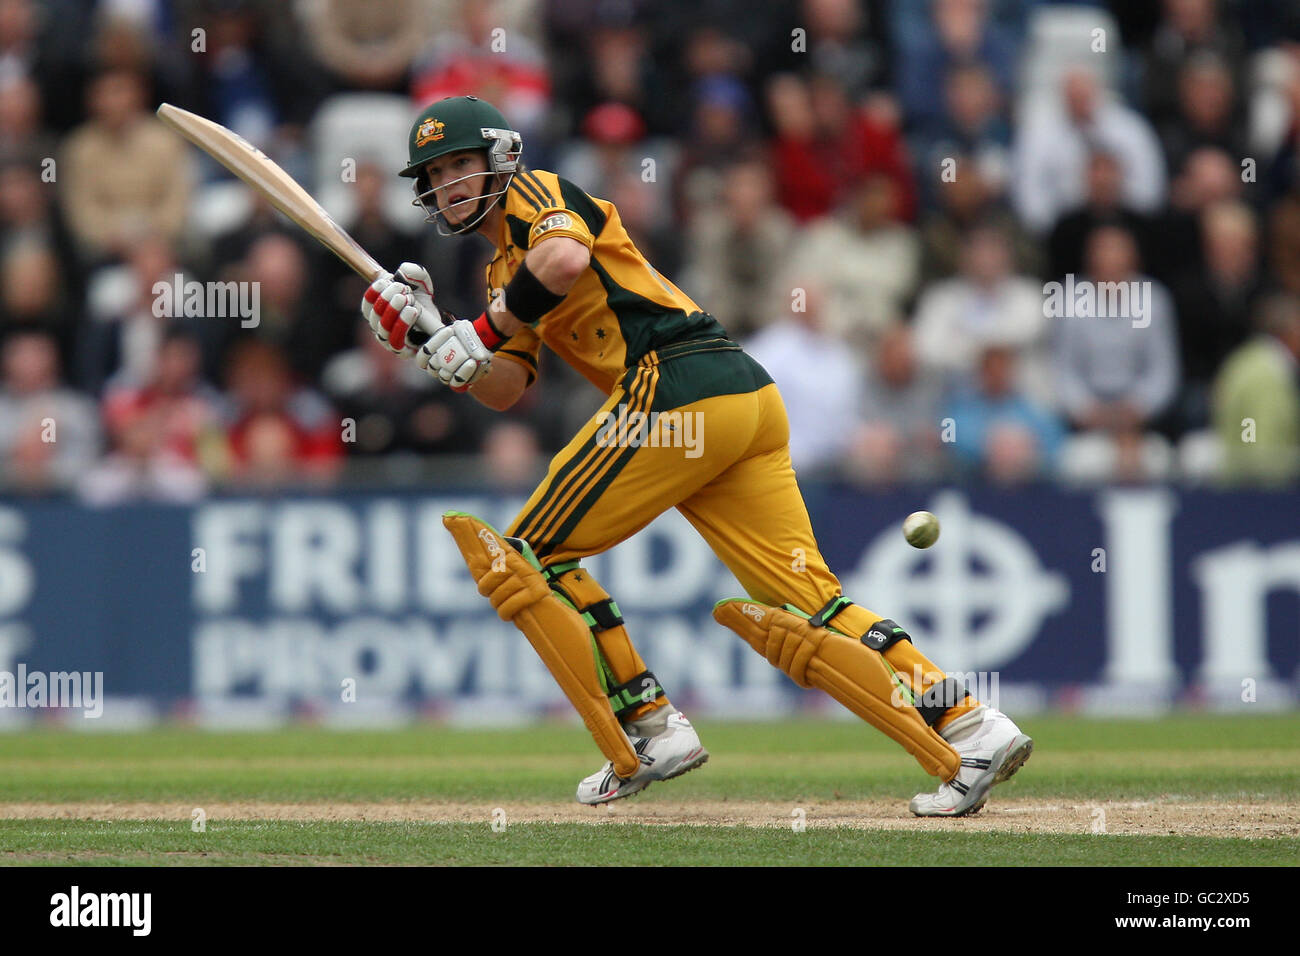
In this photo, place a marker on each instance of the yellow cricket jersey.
(619, 309)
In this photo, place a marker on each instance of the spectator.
(841, 38)
(957, 319)
(735, 251)
(258, 75)
(469, 57)
(182, 409)
(1284, 241)
(48, 433)
(723, 126)
(512, 460)
(825, 145)
(900, 412)
(31, 292)
(27, 214)
(1103, 205)
(370, 46)
(1215, 305)
(962, 34)
(1001, 433)
(164, 434)
(130, 308)
(48, 44)
(122, 174)
(866, 262)
(396, 406)
(1052, 149)
(279, 432)
(613, 142)
(1208, 177)
(612, 162)
(1207, 114)
(972, 126)
(21, 134)
(288, 313)
(1257, 399)
(1186, 29)
(1117, 369)
(820, 381)
(616, 66)
(967, 201)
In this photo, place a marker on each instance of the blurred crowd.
(875, 197)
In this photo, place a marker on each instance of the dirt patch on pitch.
(1247, 820)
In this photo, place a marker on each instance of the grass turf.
(1203, 758)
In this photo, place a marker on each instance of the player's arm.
(503, 387)
(555, 264)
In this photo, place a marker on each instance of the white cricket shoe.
(670, 753)
(991, 747)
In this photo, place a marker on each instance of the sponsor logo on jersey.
(555, 221)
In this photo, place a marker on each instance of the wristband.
(527, 299)
(488, 333)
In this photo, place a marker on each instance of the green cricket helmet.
(451, 125)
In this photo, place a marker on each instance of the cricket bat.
(256, 169)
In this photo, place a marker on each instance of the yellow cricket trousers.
(698, 426)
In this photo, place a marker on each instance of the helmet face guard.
(503, 148)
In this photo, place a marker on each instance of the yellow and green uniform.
(651, 349)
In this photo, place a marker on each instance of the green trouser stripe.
(644, 396)
(590, 458)
(548, 499)
(588, 502)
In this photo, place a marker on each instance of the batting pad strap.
(644, 688)
(844, 669)
(884, 634)
(602, 615)
(833, 607)
(939, 698)
(555, 571)
(562, 639)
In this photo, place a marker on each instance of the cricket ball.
(921, 529)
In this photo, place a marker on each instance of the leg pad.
(563, 641)
(846, 670)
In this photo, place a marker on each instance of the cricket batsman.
(566, 275)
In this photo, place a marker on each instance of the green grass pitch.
(1187, 790)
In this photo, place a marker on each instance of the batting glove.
(395, 304)
(456, 355)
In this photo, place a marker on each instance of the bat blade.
(257, 169)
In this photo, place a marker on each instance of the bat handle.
(417, 336)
